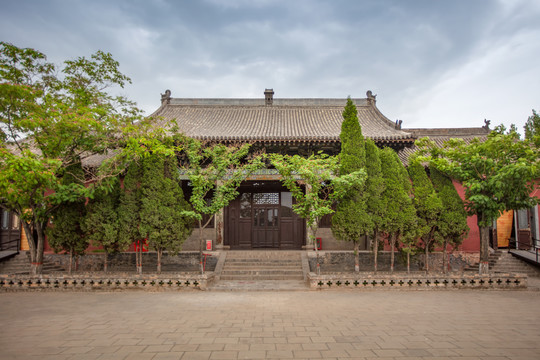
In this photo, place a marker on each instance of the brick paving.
(271, 325)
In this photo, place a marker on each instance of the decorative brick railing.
(103, 282)
(404, 281)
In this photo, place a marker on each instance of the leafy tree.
(315, 186)
(101, 225)
(163, 207)
(452, 225)
(351, 220)
(66, 233)
(532, 129)
(129, 211)
(498, 174)
(51, 118)
(428, 206)
(215, 171)
(400, 215)
(374, 189)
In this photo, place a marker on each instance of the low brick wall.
(419, 281)
(343, 261)
(183, 261)
(106, 282)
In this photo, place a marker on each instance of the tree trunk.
(70, 261)
(38, 265)
(408, 262)
(159, 253)
(201, 246)
(140, 257)
(484, 246)
(393, 239)
(314, 229)
(106, 262)
(444, 258)
(375, 249)
(356, 257)
(426, 257)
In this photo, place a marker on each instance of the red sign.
(209, 245)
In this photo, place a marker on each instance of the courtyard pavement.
(273, 325)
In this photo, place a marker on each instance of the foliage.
(351, 220)
(66, 233)
(314, 185)
(51, 118)
(162, 213)
(374, 184)
(400, 215)
(532, 129)
(452, 225)
(101, 225)
(498, 174)
(427, 203)
(215, 171)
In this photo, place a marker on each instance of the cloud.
(432, 63)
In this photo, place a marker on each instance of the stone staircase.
(493, 258)
(20, 265)
(508, 263)
(262, 265)
(500, 261)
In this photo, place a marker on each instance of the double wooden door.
(263, 219)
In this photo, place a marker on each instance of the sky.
(432, 63)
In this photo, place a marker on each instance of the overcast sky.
(431, 63)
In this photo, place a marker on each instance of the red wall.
(472, 242)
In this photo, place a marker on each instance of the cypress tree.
(399, 212)
(452, 224)
(129, 211)
(374, 188)
(101, 224)
(162, 206)
(66, 233)
(351, 220)
(428, 206)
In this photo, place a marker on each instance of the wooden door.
(265, 220)
(524, 229)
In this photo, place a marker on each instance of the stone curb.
(105, 282)
(404, 281)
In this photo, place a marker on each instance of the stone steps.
(20, 265)
(502, 262)
(510, 264)
(262, 265)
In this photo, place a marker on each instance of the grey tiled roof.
(440, 136)
(285, 120)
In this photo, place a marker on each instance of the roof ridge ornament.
(166, 98)
(268, 97)
(371, 99)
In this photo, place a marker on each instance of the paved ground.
(273, 325)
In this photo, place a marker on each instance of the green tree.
(66, 233)
(163, 207)
(351, 220)
(428, 206)
(532, 129)
(315, 186)
(51, 118)
(101, 225)
(374, 189)
(498, 174)
(452, 225)
(215, 171)
(129, 211)
(400, 215)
